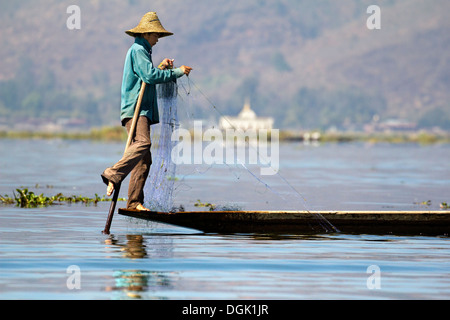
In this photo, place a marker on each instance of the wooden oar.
(112, 208)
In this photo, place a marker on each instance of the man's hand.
(186, 70)
(166, 64)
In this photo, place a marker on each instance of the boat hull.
(301, 222)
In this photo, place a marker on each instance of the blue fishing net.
(159, 186)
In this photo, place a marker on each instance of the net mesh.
(159, 187)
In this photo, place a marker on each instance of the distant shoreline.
(118, 133)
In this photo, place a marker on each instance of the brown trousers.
(136, 160)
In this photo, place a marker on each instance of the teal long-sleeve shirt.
(139, 67)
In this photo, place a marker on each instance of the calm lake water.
(43, 249)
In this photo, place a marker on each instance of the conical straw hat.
(149, 23)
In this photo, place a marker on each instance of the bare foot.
(140, 207)
(110, 189)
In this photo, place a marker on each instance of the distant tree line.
(37, 96)
(312, 108)
(436, 117)
(322, 108)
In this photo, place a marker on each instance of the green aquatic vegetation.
(424, 203)
(442, 205)
(6, 199)
(211, 206)
(28, 199)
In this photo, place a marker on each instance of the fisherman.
(138, 68)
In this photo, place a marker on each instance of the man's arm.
(168, 64)
(148, 73)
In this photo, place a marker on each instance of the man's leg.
(138, 178)
(140, 172)
(139, 148)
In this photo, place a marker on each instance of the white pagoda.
(246, 119)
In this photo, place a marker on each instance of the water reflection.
(136, 284)
(139, 284)
(133, 248)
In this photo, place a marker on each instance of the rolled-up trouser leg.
(136, 159)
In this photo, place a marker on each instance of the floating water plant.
(28, 199)
(6, 199)
(424, 203)
(211, 206)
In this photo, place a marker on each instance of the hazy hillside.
(308, 63)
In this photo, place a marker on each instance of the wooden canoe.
(299, 222)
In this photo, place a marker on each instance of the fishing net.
(159, 187)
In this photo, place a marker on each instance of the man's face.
(152, 38)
